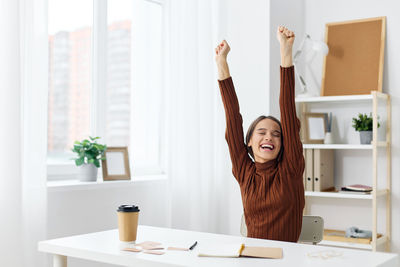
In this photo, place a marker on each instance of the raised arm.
(293, 148)
(234, 123)
(221, 54)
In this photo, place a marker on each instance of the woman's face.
(266, 141)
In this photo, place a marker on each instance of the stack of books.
(357, 189)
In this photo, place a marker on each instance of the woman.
(271, 186)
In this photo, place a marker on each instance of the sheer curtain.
(34, 88)
(23, 118)
(198, 162)
(10, 159)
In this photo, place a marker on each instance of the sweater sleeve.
(293, 159)
(234, 130)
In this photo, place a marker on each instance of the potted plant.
(89, 153)
(363, 124)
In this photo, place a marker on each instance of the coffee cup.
(128, 216)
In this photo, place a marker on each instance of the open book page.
(222, 250)
(262, 252)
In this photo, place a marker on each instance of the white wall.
(247, 32)
(316, 14)
(288, 13)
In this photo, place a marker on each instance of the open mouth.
(267, 147)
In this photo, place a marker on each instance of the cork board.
(354, 64)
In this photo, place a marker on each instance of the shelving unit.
(376, 194)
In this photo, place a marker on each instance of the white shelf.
(380, 241)
(379, 193)
(342, 98)
(382, 192)
(344, 244)
(343, 146)
(337, 146)
(337, 195)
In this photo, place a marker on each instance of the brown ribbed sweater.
(272, 192)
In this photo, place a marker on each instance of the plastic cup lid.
(128, 208)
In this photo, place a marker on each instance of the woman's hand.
(286, 40)
(221, 53)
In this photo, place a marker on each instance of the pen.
(192, 247)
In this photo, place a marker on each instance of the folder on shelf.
(305, 167)
(309, 170)
(323, 169)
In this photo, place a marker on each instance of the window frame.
(62, 170)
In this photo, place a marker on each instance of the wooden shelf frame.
(376, 194)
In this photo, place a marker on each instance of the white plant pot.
(87, 173)
(328, 138)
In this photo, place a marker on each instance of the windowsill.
(68, 185)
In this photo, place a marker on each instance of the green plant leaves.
(79, 161)
(363, 122)
(96, 163)
(89, 151)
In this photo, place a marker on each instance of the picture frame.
(115, 166)
(315, 128)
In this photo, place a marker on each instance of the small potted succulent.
(89, 153)
(363, 124)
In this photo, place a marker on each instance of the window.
(118, 89)
(97, 84)
(70, 50)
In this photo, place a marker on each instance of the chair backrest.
(312, 230)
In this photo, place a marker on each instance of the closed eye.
(276, 134)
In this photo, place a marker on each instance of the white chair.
(312, 230)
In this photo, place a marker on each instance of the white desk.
(105, 247)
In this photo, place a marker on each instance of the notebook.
(222, 250)
(357, 187)
(240, 250)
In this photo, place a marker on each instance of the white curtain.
(23, 118)
(10, 133)
(198, 162)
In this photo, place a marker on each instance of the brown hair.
(251, 130)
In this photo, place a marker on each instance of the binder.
(309, 170)
(305, 169)
(323, 169)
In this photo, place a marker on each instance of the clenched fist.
(286, 40)
(285, 37)
(221, 51)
